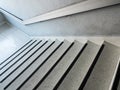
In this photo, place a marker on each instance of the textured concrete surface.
(41, 72)
(33, 67)
(17, 61)
(30, 8)
(103, 74)
(72, 9)
(56, 74)
(104, 21)
(76, 75)
(23, 66)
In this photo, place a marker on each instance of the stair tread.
(56, 74)
(16, 54)
(33, 67)
(61, 65)
(74, 78)
(43, 70)
(17, 59)
(105, 69)
(23, 66)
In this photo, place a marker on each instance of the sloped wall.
(25, 9)
(104, 21)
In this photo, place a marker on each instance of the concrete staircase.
(62, 65)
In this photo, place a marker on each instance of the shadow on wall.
(2, 19)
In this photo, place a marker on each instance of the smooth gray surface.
(104, 21)
(23, 66)
(33, 81)
(33, 67)
(25, 9)
(53, 78)
(72, 9)
(103, 74)
(75, 77)
(16, 54)
(16, 59)
(11, 39)
(20, 61)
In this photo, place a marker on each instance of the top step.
(103, 74)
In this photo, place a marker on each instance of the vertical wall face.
(25, 9)
(1, 18)
(104, 21)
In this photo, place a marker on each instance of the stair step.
(42, 71)
(18, 59)
(103, 74)
(62, 65)
(25, 65)
(33, 67)
(76, 75)
(56, 74)
(15, 52)
(18, 62)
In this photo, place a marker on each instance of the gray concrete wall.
(104, 21)
(25, 9)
